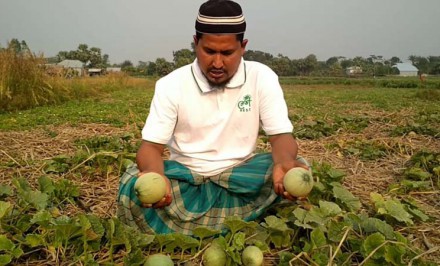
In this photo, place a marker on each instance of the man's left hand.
(278, 173)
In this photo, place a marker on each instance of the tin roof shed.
(71, 63)
(406, 69)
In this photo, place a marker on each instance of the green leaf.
(134, 258)
(34, 240)
(336, 230)
(145, 240)
(17, 252)
(238, 240)
(320, 258)
(279, 232)
(417, 173)
(91, 226)
(43, 218)
(418, 214)
(24, 222)
(394, 254)
(396, 210)
(185, 242)
(372, 242)
(235, 224)
(5, 259)
(205, 232)
(275, 223)
(6, 244)
(373, 225)
(336, 175)
(318, 238)
(377, 199)
(46, 184)
(309, 219)
(233, 255)
(21, 184)
(346, 197)
(37, 199)
(164, 239)
(5, 207)
(5, 190)
(329, 209)
(410, 184)
(65, 229)
(96, 224)
(391, 207)
(285, 258)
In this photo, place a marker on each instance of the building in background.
(72, 67)
(406, 69)
(353, 71)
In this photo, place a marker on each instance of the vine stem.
(340, 245)
(434, 249)
(381, 245)
(197, 254)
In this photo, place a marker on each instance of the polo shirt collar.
(237, 80)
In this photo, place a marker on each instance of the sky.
(141, 30)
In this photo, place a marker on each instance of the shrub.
(23, 82)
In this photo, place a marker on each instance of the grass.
(25, 83)
(127, 104)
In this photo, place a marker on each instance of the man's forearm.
(149, 158)
(284, 148)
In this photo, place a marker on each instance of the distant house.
(73, 67)
(95, 71)
(406, 69)
(354, 70)
(113, 69)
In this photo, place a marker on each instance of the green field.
(375, 151)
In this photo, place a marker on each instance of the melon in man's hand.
(298, 182)
(150, 188)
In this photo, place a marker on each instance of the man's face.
(219, 56)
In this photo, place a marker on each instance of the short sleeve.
(273, 108)
(162, 117)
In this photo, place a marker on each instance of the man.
(208, 114)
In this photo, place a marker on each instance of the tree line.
(374, 65)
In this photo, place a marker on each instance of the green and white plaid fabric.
(245, 191)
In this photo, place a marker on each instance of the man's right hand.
(165, 201)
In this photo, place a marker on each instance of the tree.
(307, 65)
(19, 47)
(347, 63)
(258, 56)
(183, 57)
(126, 63)
(332, 60)
(92, 56)
(163, 67)
(280, 65)
(394, 60)
(434, 65)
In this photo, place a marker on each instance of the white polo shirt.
(209, 130)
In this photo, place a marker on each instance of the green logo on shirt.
(245, 104)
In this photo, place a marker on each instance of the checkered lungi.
(245, 191)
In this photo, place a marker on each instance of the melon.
(252, 256)
(150, 188)
(214, 256)
(159, 260)
(298, 182)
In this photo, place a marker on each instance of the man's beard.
(217, 85)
